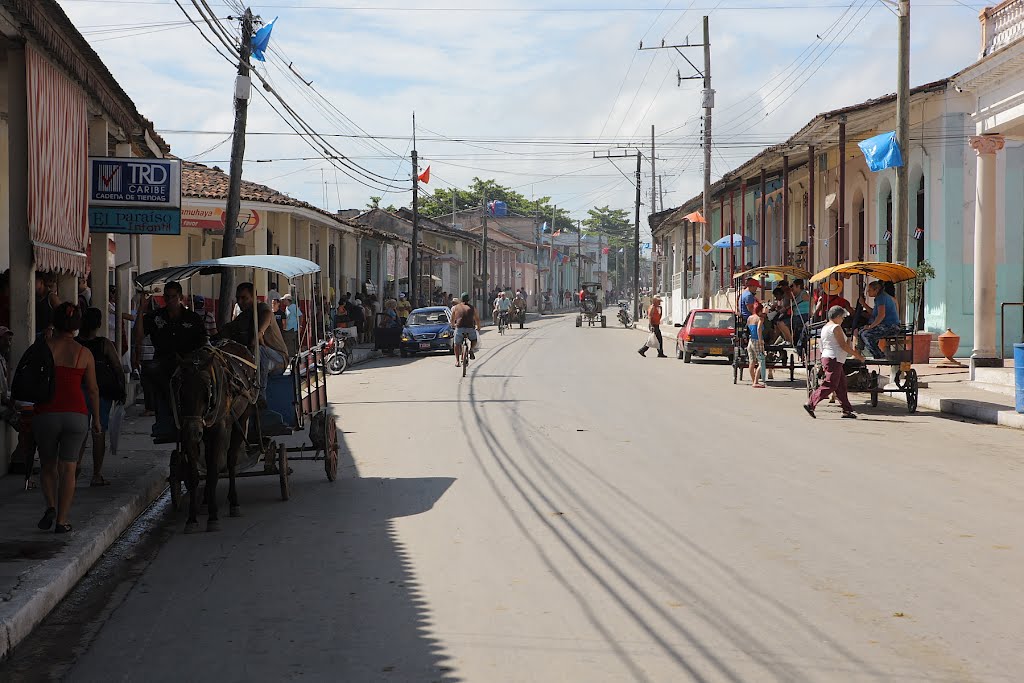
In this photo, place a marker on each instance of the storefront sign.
(154, 183)
(210, 218)
(133, 221)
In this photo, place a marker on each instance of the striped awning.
(58, 167)
(880, 270)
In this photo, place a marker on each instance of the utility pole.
(483, 246)
(536, 230)
(708, 100)
(414, 248)
(636, 238)
(654, 177)
(636, 227)
(579, 255)
(901, 217)
(243, 86)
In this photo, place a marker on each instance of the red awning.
(58, 167)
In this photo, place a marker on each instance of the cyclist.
(466, 322)
(519, 306)
(501, 307)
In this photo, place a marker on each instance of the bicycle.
(502, 322)
(467, 348)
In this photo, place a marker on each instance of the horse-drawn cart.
(591, 310)
(218, 405)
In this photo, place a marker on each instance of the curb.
(989, 413)
(44, 586)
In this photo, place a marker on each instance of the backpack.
(108, 378)
(35, 379)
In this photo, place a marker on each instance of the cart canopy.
(288, 267)
(880, 270)
(776, 272)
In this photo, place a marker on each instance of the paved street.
(572, 512)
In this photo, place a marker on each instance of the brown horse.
(215, 394)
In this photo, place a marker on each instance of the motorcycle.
(624, 316)
(338, 352)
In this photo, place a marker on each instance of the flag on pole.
(544, 227)
(605, 250)
(556, 233)
(425, 176)
(261, 41)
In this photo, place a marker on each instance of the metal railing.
(1002, 323)
(1001, 25)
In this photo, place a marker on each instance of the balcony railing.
(1001, 25)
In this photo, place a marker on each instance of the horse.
(214, 391)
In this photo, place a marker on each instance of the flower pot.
(922, 347)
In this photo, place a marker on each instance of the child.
(755, 347)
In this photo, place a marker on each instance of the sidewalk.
(944, 390)
(37, 568)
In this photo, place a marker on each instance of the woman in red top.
(654, 318)
(61, 424)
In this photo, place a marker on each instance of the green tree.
(439, 203)
(612, 223)
(374, 203)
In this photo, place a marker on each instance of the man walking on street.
(654, 318)
(835, 348)
(292, 315)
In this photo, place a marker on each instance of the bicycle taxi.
(864, 376)
(296, 399)
(784, 330)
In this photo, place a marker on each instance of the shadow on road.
(602, 542)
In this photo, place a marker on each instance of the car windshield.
(428, 318)
(713, 321)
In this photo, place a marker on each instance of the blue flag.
(882, 152)
(261, 41)
(545, 228)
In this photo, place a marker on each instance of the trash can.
(1018, 375)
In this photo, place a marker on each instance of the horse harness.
(223, 379)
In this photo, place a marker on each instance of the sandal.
(62, 529)
(47, 521)
(30, 484)
(99, 481)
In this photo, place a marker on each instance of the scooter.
(624, 317)
(338, 352)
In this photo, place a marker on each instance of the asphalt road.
(572, 512)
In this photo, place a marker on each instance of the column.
(984, 353)
(99, 241)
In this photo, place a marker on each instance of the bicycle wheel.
(466, 346)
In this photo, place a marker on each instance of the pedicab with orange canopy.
(864, 376)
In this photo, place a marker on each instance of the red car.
(706, 332)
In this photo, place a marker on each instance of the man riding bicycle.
(466, 323)
(519, 306)
(501, 308)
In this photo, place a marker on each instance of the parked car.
(706, 332)
(427, 330)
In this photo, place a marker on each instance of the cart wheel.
(174, 479)
(282, 466)
(735, 371)
(911, 384)
(792, 367)
(812, 380)
(331, 456)
(579, 321)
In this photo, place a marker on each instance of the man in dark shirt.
(173, 330)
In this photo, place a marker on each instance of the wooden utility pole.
(654, 177)
(414, 248)
(243, 87)
(708, 101)
(579, 255)
(483, 246)
(536, 229)
(901, 210)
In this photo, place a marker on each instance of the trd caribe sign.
(127, 182)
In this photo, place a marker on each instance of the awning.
(288, 267)
(58, 167)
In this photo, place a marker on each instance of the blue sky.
(527, 94)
